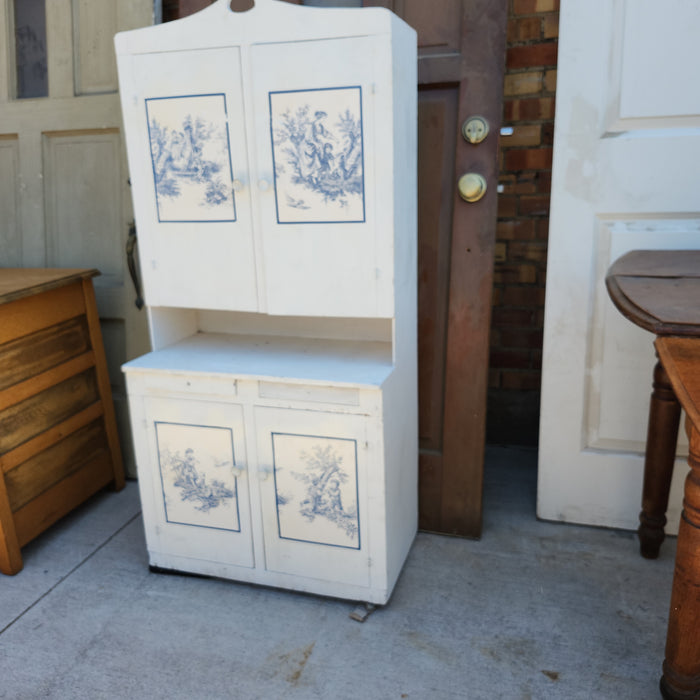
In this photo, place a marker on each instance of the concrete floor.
(532, 610)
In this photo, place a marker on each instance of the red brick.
(550, 80)
(528, 159)
(542, 229)
(537, 359)
(522, 296)
(500, 251)
(528, 380)
(514, 274)
(533, 205)
(527, 83)
(529, 7)
(521, 188)
(524, 29)
(507, 206)
(544, 181)
(533, 251)
(510, 359)
(528, 109)
(548, 133)
(550, 26)
(516, 230)
(529, 339)
(523, 135)
(513, 317)
(494, 379)
(544, 54)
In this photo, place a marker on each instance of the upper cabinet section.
(264, 170)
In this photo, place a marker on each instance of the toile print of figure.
(317, 144)
(199, 487)
(316, 483)
(191, 161)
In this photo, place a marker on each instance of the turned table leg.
(662, 436)
(681, 668)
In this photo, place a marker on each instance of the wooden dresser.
(58, 436)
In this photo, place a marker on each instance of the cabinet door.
(326, 243)
(197, 479)
(314, 501)
(184, 120)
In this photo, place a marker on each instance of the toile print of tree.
(192, 483)
(178, 157)
(323, 159)
(323, 478)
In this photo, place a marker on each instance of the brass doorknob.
(472, 187)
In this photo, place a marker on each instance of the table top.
(681, 360)
(658, 290)
(19, 282)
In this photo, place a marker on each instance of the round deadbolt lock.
(472, 187)
(475, 129)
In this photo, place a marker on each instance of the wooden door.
(624, 177)
(461, 48)
(63, 179)
(461, 60)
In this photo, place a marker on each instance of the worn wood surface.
(58, 443)
(38, 352)
(658, 290)
(103, 384)
(31, 314)
(37, 474)
(34, 415)
(461, 46)
(17, 283)
(659, 460)
(681, 668)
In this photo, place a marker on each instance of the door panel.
(10, 241)
(199, 507)
(189, 112)
(63, 184)
(318, 245)
(314, 502)
(461, 45)
(624, 175)
(80, 197)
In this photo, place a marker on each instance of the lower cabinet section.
(288, 496)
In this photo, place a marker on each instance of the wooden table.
(58, 435)
(658, 290)
(680, 358)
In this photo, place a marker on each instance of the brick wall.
(523, 220)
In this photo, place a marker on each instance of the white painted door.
(64, 193)
(195, 495)
(626, 154)
(315, 502)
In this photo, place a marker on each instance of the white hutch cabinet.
(272, 156)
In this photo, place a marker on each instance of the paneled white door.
(64, 194)
(625, 176)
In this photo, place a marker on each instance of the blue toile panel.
(196, 470)
(318, 155)
(191, 158)
(316, 489)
